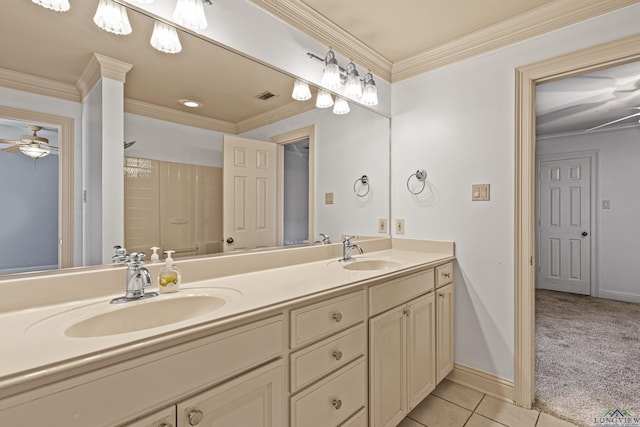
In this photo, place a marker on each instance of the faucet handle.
(121, 255)
(137, 257)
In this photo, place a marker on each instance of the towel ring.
(421, 176)
(364, 181)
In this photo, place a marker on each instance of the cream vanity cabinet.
(328, 374)
(444, 321)
(401, 346)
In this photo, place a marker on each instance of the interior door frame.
(65, 126)
(282, 140)
(605, 55)
(592, 155)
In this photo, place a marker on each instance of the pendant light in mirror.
(190, 14)
(341, 106)
(112, 17)
(324, 99)
(301, 91)
(165, 38)
(57, 5)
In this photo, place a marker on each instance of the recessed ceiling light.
(190, 103)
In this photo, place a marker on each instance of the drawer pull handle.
(195, 416)
(337, 403)
(337, 355)
(447, 275)
(337, 317)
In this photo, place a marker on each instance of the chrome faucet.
(325, 239)
(121, 256)
(138, 278)
(347, 247)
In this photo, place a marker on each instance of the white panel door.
(564, 246)
(249, 194)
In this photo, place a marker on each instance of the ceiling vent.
(266, 95)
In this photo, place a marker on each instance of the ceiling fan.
(617, 120)
(33, 146)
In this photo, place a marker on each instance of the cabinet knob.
(337, 403)
(195, 416)
(406, 311)
(337, 355)
(447, 275)
(441, 294)
(337, 316)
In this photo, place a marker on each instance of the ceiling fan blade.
(12, 149)
(612, 122)
(9, 141)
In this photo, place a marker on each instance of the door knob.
(229, 240)
(585, 234)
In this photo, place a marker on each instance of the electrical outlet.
(382, 225)
(399, 226)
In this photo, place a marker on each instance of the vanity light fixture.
(112, 17)
(165, 38)
(341, 106)
(331, 75)
(301, 91)
(353, 88)
(324, 99)
(190, 103)
(57, 5)
(190, 14)
(370, 92)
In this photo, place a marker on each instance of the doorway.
(602, 56)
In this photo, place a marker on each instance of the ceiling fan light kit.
(33, 146)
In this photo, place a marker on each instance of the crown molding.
(176, 116)
(280, 113)
(548, 17)
(38, 85)
(304, 18)
(99, 67)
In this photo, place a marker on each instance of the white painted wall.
(347, 147)
(45, 104)
(618, 180)
(457, 122)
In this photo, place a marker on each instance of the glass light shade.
(57, 5)
(190, 14)
(301, 91)
(331, 76)
(165, 38)
(341, 106)
(112, 17)
(34, 151)
(324, 99)
(353, 87)
(370, 93)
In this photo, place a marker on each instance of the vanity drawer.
(313, 362)
(333, 400)
(444, 274)
(324, 318)
(395, 292)
(358, 420)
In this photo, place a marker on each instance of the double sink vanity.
(291, 337)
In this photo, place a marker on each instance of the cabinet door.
(444, 332)
(163, 418)
(421, 349)
(387, 368)
(255, 399)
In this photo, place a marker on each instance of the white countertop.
(34, 344)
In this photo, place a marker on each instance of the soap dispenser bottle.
(169, 277)
(154, 256)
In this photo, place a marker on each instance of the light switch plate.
(480, 192)
(382, 225)
(328, 198)
(399, 226)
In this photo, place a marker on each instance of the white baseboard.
(619, 296)
(483, 382)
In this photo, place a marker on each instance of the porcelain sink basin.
(145, 314)
(370, 264)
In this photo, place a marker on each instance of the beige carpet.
(587, 356)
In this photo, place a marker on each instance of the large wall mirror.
(173, 163)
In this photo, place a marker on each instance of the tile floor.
(453, 405)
